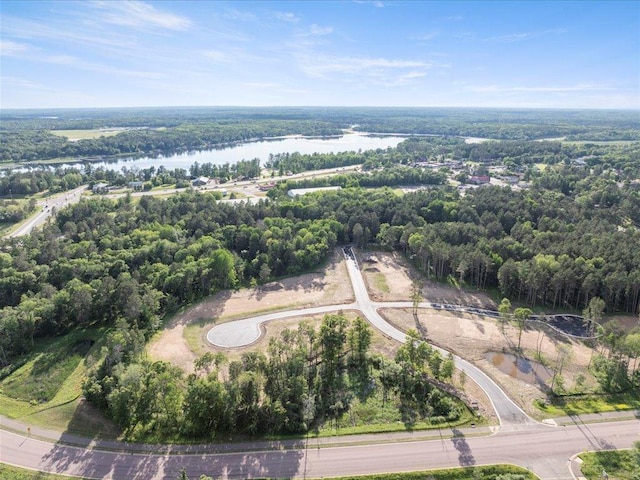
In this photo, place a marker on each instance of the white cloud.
(10, 48)
(424, 36)
(375, 3)
(318, 30)
(581, 87)
(517, 37)
(287, 17)
(241, 15)
(376, 71)
(261, 85)
(216, 56)
(140, 15)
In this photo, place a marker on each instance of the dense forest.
(558, 245)
(25, 136)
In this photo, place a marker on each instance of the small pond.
(520, 368)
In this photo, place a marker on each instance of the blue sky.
(114, 53)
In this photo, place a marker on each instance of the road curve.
(545, 451)
(246, 331)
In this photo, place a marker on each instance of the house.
(136, 185)
(479, 179)
(511, 179)
(200, 181)
(579, 162)
(100, 187)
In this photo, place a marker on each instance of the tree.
(521, 315)
(564, 355)
(504, 309)
(593, 313)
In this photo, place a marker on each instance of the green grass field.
(85, 134)
(589, 404)
(45, 387)
(619, 464)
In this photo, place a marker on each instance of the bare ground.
(389, 278)
(472, 337)
(328, 286)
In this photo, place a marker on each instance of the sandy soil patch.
(472, 336)
(328, 286)
(390, 278)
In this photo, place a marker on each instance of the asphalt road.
(544, 450)
(58, 202)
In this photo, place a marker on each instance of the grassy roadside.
(46, 387)
(589, 404)
(619, 464)
(487, 472)
(9, 472)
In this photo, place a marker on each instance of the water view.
(520, 367)
(260, 149)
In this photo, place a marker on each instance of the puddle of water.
(520, 368)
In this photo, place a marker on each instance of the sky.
(516, 54)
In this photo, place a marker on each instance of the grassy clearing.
(8, 472)
(485, 472)
(85, 134)
(376, 416)
(380, 282)
(589, 404)
(45, 389)
(52, 364)
(619, 464)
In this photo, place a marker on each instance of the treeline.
(34, 145)
(13, 211)
(307, 377)
(504, 124)
(388, 177)
(25, 135)
(36, 181)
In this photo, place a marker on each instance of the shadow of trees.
(278, 463)
(465, 456)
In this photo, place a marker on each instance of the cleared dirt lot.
(330, 285)
(389, 278)
(472, 337)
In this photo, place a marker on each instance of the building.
(136, 185)
(511, 179)
(200, 181)
(479, 179)
(100, 187)
(295, 192)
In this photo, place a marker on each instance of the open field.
(75, 135)
(46, 389)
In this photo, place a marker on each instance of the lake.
(248, 151)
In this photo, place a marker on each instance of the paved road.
(544, 450)
(46, 207)
(246, 331)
